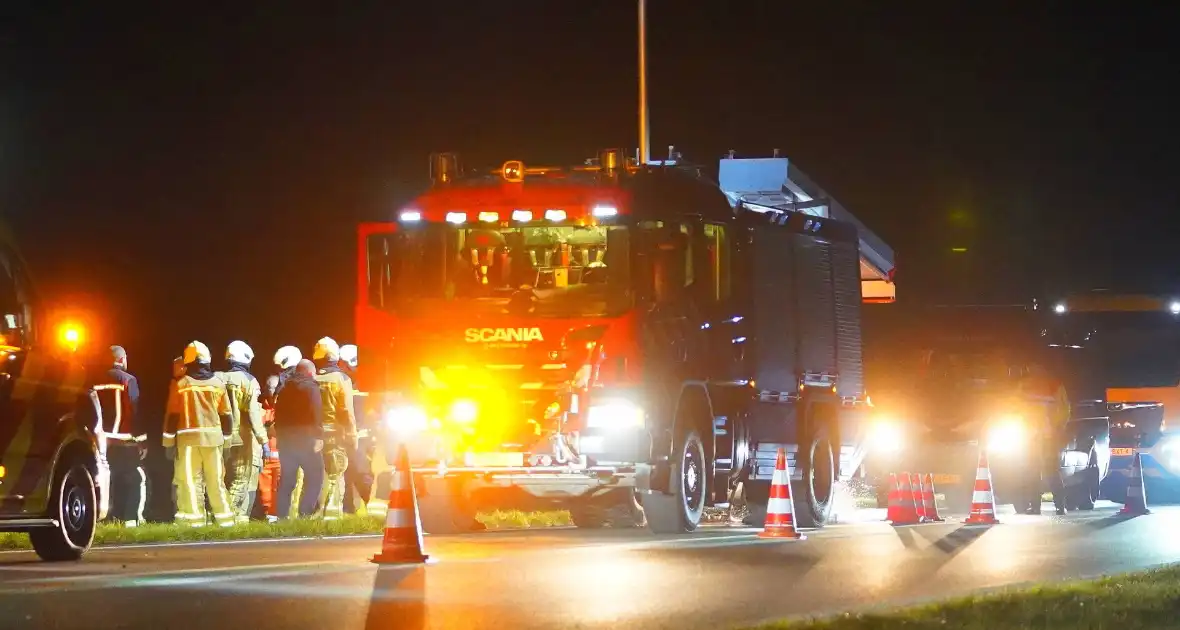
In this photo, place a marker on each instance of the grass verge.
(115, 534)
(1134, 601)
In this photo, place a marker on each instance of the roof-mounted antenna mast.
(644, 130)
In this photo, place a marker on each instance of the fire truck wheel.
(813, 493)
(682, 509)
(75, 508)
(618, 509)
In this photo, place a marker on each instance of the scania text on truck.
(581, 336)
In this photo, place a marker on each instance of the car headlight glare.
(886, 436)
(464, 411)
(406, 419)
(614, 414)
(1007, 435)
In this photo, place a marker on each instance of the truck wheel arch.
(79, 451)
(694, 408)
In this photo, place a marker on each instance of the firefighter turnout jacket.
(337, 394)
(199, 412)
(118, 400)
(245, 402)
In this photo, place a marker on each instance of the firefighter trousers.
(200, 470)
(335, 463)
(358, 477)
(128, 482)
(243, 463)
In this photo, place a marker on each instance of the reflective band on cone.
(983, 501)
(907, 511)
(402, 542)
(929, 503)
(780, 509)
(919, 504)
(1136, 503)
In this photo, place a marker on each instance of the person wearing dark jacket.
(299, 424)
(118, 399)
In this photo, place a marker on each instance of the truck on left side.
(54, 478)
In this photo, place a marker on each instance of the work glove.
(266, 452)
(170, 452)
(319, 446)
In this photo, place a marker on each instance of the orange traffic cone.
(907, 510)
(402, 542)
(983, 501)
(929, 504)
(919, 504)
(893, 511)
(1136, 503)
(780, 509)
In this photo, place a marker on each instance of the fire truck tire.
(813, 494)
(75, 508)
(682, 509)
(618, 509)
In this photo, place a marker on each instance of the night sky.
(198, 173)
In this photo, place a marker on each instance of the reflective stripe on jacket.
(116, 414)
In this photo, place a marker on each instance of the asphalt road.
(570, 579)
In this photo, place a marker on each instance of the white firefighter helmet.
(287, 356)
(348, 354)
(239, 352)
(326, 349)
(197, 352)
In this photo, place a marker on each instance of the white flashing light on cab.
(410, 216)
(604, 212)
(457, 218)
(555, 215)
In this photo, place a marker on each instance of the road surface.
(568, 578)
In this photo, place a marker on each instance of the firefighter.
(196, 427)
(1049, 411)
(286, 358)
(118, 398)
(247, 437)
(268, 478)
(339, 424)
(358, 477)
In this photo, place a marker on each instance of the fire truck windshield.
(543, 271)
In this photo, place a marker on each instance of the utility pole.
(644, 130)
